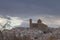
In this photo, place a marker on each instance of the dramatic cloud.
(9, 22)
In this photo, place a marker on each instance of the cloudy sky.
(47, 10)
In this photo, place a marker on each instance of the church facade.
(38, 25)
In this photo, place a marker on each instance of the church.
(38, 25)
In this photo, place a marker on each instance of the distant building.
(38, 25)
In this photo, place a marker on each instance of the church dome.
(39, 21)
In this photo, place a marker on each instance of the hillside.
(21, 33)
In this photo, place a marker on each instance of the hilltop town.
(36, 31)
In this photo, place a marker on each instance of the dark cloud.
(29, 7)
